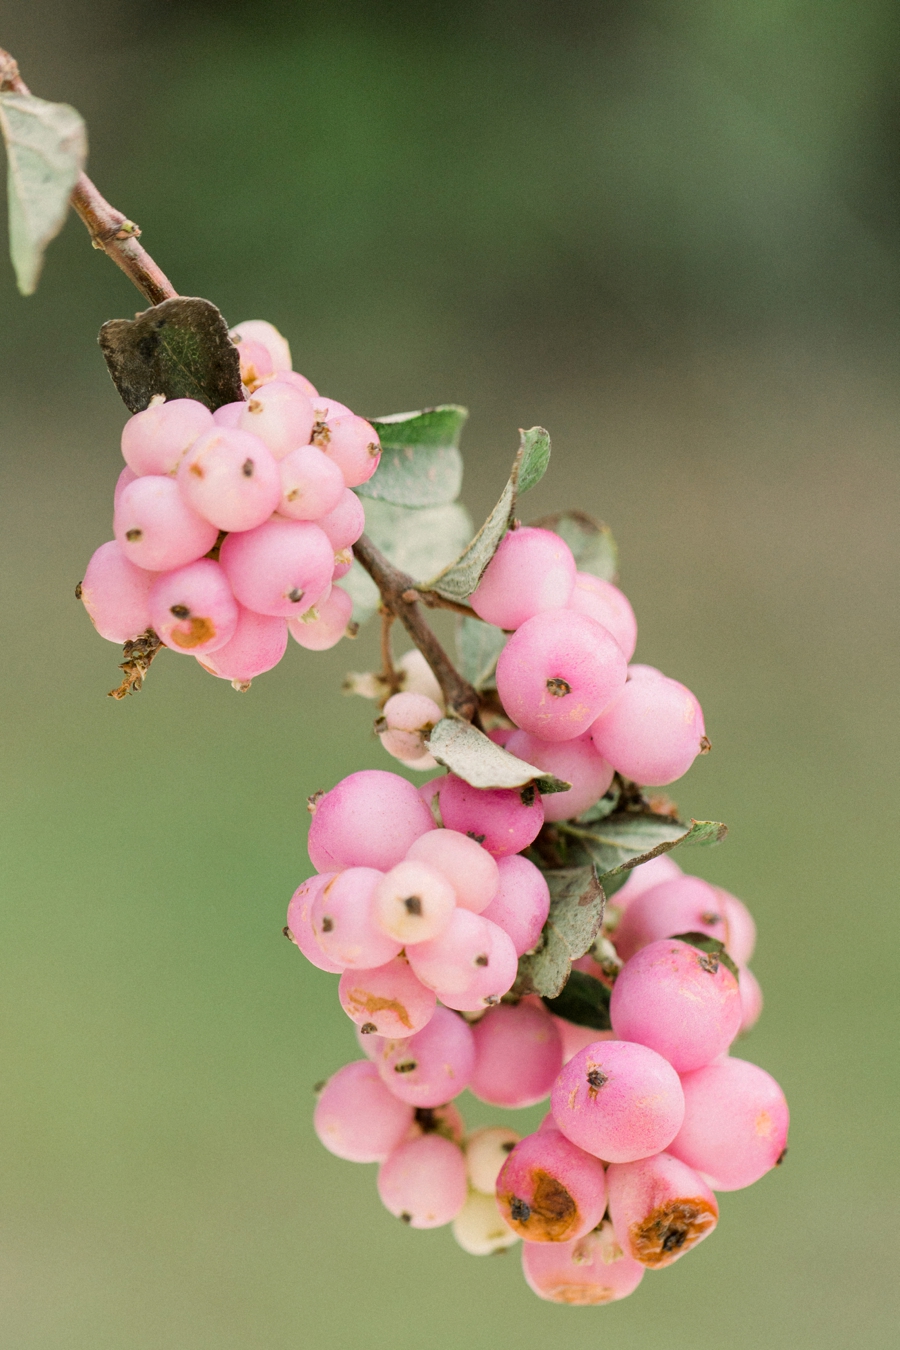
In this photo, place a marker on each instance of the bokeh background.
(668, 231)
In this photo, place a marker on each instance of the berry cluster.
(408, 913)
(647, 1120)
(232, 526)
(580, 711)
(424, 900)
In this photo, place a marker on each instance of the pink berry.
(741, 941)
(549, 1190)
(343, 561)
(370, 819)
(532, 571)
(470, 965)
(357, 1119)
(229, 415)
(407, 719)
(153, 441)
(642, 672)
(522, 902)
(116, 594)
(125, 477)
(518, 1053)
(370, 1044)
(434, 1065)
(681, 1002)
(257, 645)
(591, 1270)
(323, 626)
(345, 522)
(652, 732)
(280, 415)
(156, 529)
(470, 869)
(413, 902)
(230, 478)
(603, 601)
(299, 923)
(283, 567)
(298, 381)
(618, 1100)
(735, 1123)
(192, 609)
(327, 409)
(256, 363)
(265, 333)
(343, 921)
(751, 999)
(388, 1000)
(645, 875)
(682, 905)
(311, 484)
(576, 762)
(557, 672)
(353, 444)
(659, 1208)
(575, 1038)
(423, 1182)
(504, 820)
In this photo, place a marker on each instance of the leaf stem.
(110, 230)
(394, 586)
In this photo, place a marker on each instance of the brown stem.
(388, 672)
(393, 584)
(110, 230)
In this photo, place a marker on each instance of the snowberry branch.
(117, 236)
(396, 587)
(110, 230)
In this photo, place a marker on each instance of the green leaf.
(459, 579)
(584, 1001)
(627, 839)
(180, 348)
(478, 645)
(591, 542)
(468, 753)
(412, 538)
(46, 146)
(534, 458)
(575, 918)
(420, 460)
(716, 949)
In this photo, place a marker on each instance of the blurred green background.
(669, 233)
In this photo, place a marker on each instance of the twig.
(389, 674)
(393, 584)
(110, 230)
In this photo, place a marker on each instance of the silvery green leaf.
(420, 460)
(458, 580)
(478, 646)
(413, 538)
(46, 147)
(468, 753)
(625, 840)
(576, 916)
(591, 542)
